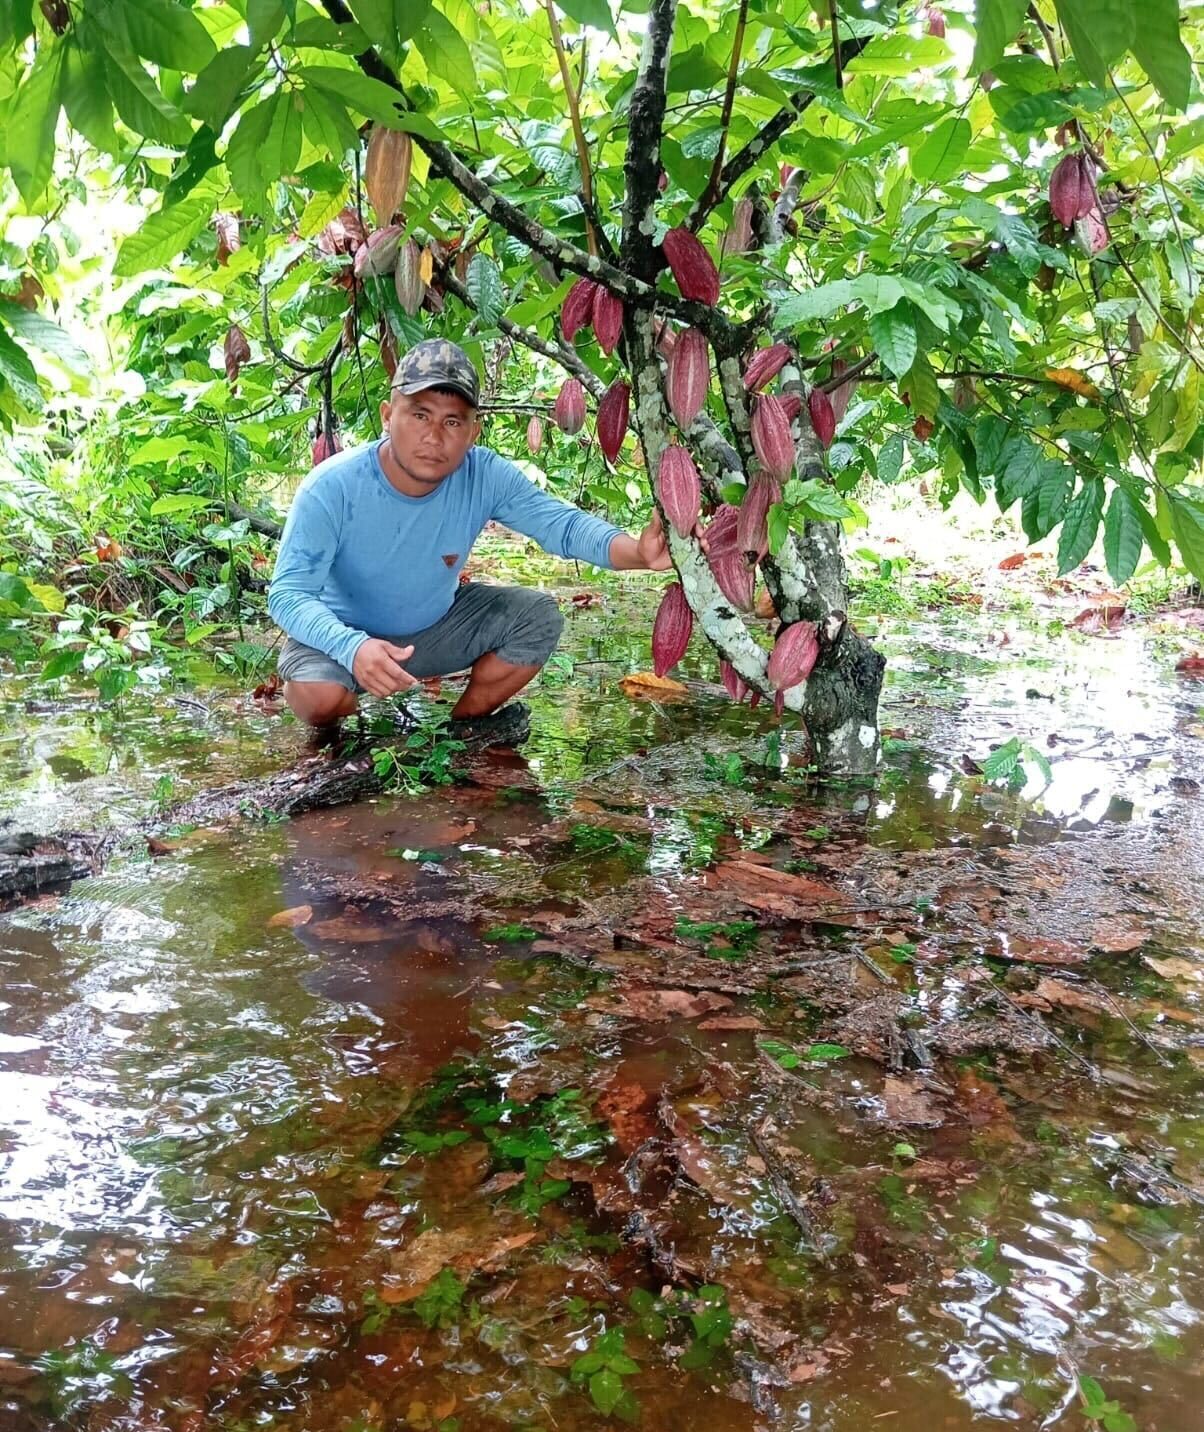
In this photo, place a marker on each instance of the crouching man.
(366, 585)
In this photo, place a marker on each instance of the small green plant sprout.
(903, 954)
(601, 1372)
(1005, 765)
(791, 1058)
(376, 1312)
(728, 769)
(421, 760)
(1101, 1411)
(704, 1312)
(440, 1302)
(163, 793)
(730, 940)
(512, 934)
(80, 1373)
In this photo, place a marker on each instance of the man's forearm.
(625, 554)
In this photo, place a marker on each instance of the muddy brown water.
(398, 1163)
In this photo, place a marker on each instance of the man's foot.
(506, 727)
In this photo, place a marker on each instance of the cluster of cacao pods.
(1074, 200)
(730, 567)
(591, 305)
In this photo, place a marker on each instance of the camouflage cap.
(437, 363)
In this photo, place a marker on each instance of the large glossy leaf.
(18, 372)
(29, 136)
(32, 328)
(996, 24)
(446, 54)
(893, 335)
(165, 234)
(1080, 525)
(1161, 53)
(1187, 524)
(1122, 536)
(941, 155)
(1100, 31)
(165, 33)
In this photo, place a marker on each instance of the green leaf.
(138, 100)
(165, 234)
(484, 285)
(244, 150)
(319, 212)
(819, 499)
(893, 334)
(605, 1390)
(264, 19)
(920, 385)
(281, 146)
(44, 334)
(821, 1053)
(1099, 31)
(589, 12)
(369, 97)
(86, 98)
(166, 34)
(62, 663)
(1002, 761)
(996, 25)
(446, 54)
(177, 502)
(215, 93)
(1080, 525)
(1122, 536)
(390, 23)
(1187, 524)
(18, 372)
(29, 135)
(327, 125)
(939, 157)
(821, 302)
(890, 458)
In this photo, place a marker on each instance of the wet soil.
(779, 1105)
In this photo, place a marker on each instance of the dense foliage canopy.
(873, 180)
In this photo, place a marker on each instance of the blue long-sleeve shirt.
(360, 559)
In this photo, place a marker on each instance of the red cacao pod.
(771, 436)
(823, 418)
(766, 363)
(689, 377)
(229, 236)
(679, 489)
(534, 434)
(666, 339)
(407, 278)
(377, 256)
(794, 655)
(671, 630)
(841, 396)
(1092, 232)
(324, 447)
(734, 577)
(613, 412)
(694, 270)
(568, 411)
(752, 529)
(1072, 192)
(738, 238)
(923, 428)
(721, 530)
(936, 21)
(792, 405)
(733, 682)
(578, 309)
(236, 351)
(608, 318)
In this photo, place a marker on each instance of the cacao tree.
(777, 249)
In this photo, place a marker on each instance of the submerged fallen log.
(33, 865)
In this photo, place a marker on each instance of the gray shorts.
(520, 625)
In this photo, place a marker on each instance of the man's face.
(429, 432)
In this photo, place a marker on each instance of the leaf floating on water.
(1117, 939)
(292, 918)
(908, 1101)
(645, 686)
(657, 1004)
(1175, 967)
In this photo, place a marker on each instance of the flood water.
(388, 1116)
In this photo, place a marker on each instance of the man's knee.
(527, 626)
(319, 703)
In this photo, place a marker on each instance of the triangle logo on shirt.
(450, 558)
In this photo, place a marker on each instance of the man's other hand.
(378, 669)
(652, 546)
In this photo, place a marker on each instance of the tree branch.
(725, 116)
(558, 352)
(770, 133)
(570, 95)
(642, 164)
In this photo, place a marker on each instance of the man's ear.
(386, 409)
